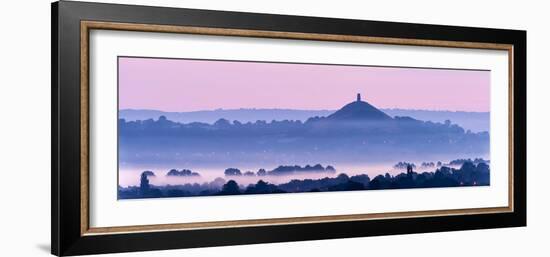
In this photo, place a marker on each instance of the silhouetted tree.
(218, 182)
(176, 193)
(230, 188)
(403, 165)
(261, 172)
(363, 179)
(182, 173)
(154, 193)
(262, 187)
(349, 185)
(427, 165)
(380, 182)
(144, 186)
(222, 123)
(232, 172)
(149, 173)
(249, 173)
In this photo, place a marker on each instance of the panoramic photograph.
(191, 127)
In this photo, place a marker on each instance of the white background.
(25, 128)
(106, 211)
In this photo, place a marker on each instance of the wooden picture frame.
(71, 26)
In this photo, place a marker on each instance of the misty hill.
(474, 121)
(358, 131)
(359, 111)
(211, 116)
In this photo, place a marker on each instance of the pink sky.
(181, 85)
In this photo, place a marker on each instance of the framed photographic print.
(178, 128)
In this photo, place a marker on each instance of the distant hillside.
(357, 131)
(211, 116)
(359, 110)
(474, 121)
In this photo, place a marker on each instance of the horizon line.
(288, 109)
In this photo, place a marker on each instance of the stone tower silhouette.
(358, 97)
(409, 169)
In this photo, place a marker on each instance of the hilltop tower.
(359, 110)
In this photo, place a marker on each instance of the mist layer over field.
(130, 176)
